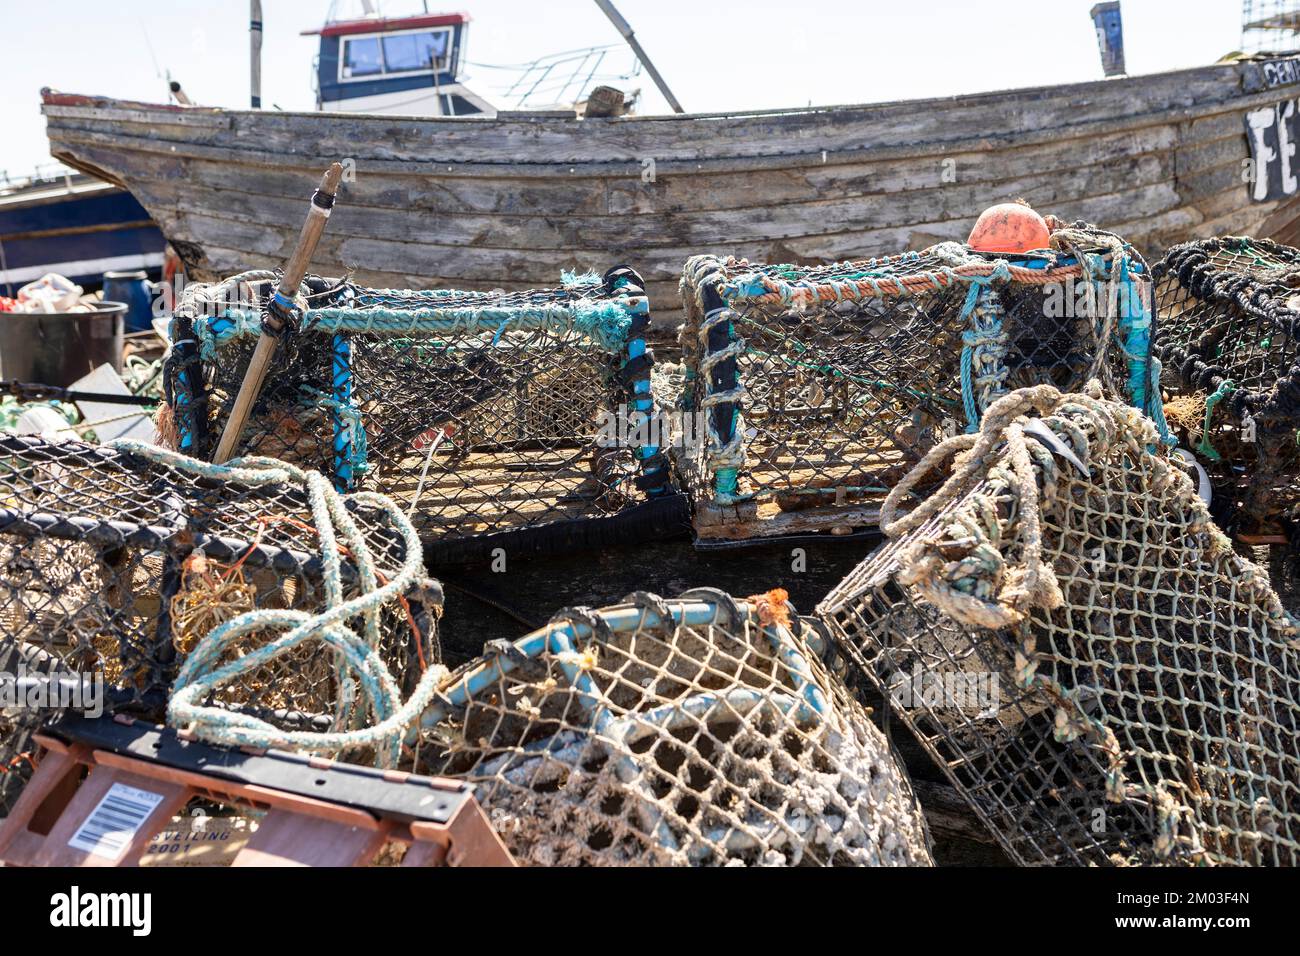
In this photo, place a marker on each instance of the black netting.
(477, 412)
(17, 756)
(1228, 343)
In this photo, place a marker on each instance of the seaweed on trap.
(820, 387)
(1145, 676)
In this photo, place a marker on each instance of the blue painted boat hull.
(80, 231)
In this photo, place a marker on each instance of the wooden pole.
(255, 52)
(280, 311)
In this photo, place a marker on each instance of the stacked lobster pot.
(699, 731)
(817, 388)
(480, 413)
(1229, 341)
(137, 580)
(1074, 641)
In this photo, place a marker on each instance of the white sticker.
(114, 822)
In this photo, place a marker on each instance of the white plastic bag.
(50, 293)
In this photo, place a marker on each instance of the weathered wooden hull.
(510, 201)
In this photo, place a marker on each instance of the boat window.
(414, 51)
(361, 57)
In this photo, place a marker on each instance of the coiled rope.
(357, 654)
(963, 592)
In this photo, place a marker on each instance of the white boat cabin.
(399, 65)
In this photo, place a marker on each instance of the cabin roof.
(385, 24)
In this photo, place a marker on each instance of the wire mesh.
(1079, 648)
(819, 387)
(115, 564)
(699, 731)
(477, 412)
(1228, 343)
(17, 756)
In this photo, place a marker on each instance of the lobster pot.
(813, 390)
(1227, 339)
(1066, 632)
(700, 731)
(117, 563)
(477, 412)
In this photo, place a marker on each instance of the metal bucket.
(57, 348)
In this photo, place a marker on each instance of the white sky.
(715, 55)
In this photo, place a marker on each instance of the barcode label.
(115, 821)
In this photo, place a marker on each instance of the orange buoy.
(1009, 227)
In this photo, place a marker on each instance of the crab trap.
(1071, 638)
(698, 731)
(1229, 340)
(133, 571)
(812, 390)
(480, 413)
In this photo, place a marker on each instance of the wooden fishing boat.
(509, 201)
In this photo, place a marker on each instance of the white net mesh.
(699, 731)
(1144, 677)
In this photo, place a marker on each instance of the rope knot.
(964, 570)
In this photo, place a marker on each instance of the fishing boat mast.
(255, 57)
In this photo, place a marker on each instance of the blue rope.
(357, 654)
(346, 423)
(983, 339)
(606, 322)
(351, 452)
(967, 389)
(1157, 409)
(1143, 367)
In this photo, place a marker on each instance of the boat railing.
(43, 174)
(561, 79)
